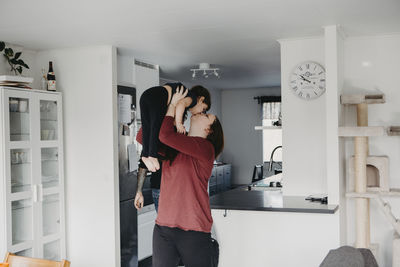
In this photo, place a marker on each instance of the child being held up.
(153, 106)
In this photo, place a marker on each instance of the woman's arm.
(193, 146)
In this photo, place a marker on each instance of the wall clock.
(307, 80)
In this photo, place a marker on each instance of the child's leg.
(156, 118)
(145, 118)
(153, 105)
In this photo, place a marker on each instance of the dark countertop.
(267, 200)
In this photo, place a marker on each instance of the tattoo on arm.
(140, 179)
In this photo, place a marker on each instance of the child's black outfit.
(153, 107)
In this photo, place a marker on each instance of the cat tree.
(369, 175)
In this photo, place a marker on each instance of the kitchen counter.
(267, 199)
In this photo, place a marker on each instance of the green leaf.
(17, 55)
(2, 46)
(9, 52)
(19, 69)
(22, 63)
(14, 61)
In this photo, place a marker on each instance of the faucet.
(271, 159)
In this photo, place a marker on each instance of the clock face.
(307, 80)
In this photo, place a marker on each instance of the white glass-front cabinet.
(32, 219)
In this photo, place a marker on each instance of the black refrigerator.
(127, 128)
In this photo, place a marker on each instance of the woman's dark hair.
(216, 138)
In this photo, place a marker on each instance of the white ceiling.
(237, 36)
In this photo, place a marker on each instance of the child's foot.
(149, 164)
(155, 163)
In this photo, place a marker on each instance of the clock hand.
(304, 79)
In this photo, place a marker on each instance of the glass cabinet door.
(50, 167)
(48, 120)
(21, 221)
(51, 226)
(19, 118)
(21, 170)
(51, 214)
(51, 251)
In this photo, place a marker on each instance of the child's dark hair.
(201, 91)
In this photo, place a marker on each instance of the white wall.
(373, 62)
(87, 78)
(240, 112)
(303, 124)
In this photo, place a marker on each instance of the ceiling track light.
(205, 71)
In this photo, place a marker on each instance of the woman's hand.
(139, 200)
(179, 94)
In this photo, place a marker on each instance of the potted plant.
(13, 59)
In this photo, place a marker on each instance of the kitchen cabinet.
(147, 75)
(220, 179)
(146, 221)
(32, 178)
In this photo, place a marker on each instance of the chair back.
(21, 261)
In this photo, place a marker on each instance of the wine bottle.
(51, 78)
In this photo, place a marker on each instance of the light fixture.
(205, 71)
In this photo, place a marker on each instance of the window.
(272, 130)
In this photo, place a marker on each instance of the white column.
(335, 171)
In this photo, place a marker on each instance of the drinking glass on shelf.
(22, 157)
(13, 104)
(14, 158)
(23, 105)
(48, 107)
(45, 134)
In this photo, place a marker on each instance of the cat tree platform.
(394, 131)
(377, 173)
(367, 131)
(361, 96)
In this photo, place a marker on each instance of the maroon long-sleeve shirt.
(184, 201)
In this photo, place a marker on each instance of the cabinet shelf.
(19, 112)
(20, 163)
(267, 127)
(18, 187)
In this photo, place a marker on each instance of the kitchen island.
(262, 227)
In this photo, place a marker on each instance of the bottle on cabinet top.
(43, 80)
(51, 78)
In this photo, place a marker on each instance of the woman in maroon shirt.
(184, 219)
